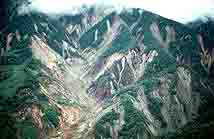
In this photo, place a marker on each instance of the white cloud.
(179, 10)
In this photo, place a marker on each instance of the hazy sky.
(179, 10)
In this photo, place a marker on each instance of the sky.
(182, 11)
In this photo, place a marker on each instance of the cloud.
(179, 10)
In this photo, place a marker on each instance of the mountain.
(102, 74)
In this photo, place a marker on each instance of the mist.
(182, 11)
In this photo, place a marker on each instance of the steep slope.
(101, 75)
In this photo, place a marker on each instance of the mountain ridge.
(126, 75)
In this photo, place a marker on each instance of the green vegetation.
(20, 77)
(51, 115)
(102, 131)
(134, 119)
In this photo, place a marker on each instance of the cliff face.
(103, 74)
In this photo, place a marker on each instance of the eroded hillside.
(102, 75)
